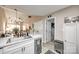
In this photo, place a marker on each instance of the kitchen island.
(20, 45)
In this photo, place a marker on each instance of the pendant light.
(16, 16)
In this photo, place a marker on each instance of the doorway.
(52, 31)
(50, 28)
(49, 36)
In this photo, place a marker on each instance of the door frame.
(48, 19)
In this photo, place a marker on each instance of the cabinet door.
(70, 38)
(29, 49)
(78, 38)
(69, 48)
(14, 51)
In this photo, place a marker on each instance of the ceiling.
(37, 10)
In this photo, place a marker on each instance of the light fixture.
(16, 16)
(29, 16)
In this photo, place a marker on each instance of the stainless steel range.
(58, 46)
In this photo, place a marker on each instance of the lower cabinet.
(70, 48)
(28, 49)
(17, 51)
(23, 48)
(14, 51)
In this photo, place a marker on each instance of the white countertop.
(3, 41)
(18, 44)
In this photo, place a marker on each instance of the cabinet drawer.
(14, 51)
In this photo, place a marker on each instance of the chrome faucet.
(9, 40)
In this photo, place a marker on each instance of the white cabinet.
(29, 49)
(17, 51)
(24, 47)
(14, 51)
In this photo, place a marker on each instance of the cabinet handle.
(22, 49)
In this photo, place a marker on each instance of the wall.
(59, 21)
(2, 20)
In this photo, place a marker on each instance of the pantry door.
(70, 38)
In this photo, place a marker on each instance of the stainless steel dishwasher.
(38, 45)
(58, 46)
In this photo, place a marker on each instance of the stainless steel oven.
(58, 46)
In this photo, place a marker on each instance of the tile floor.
(47, 46)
